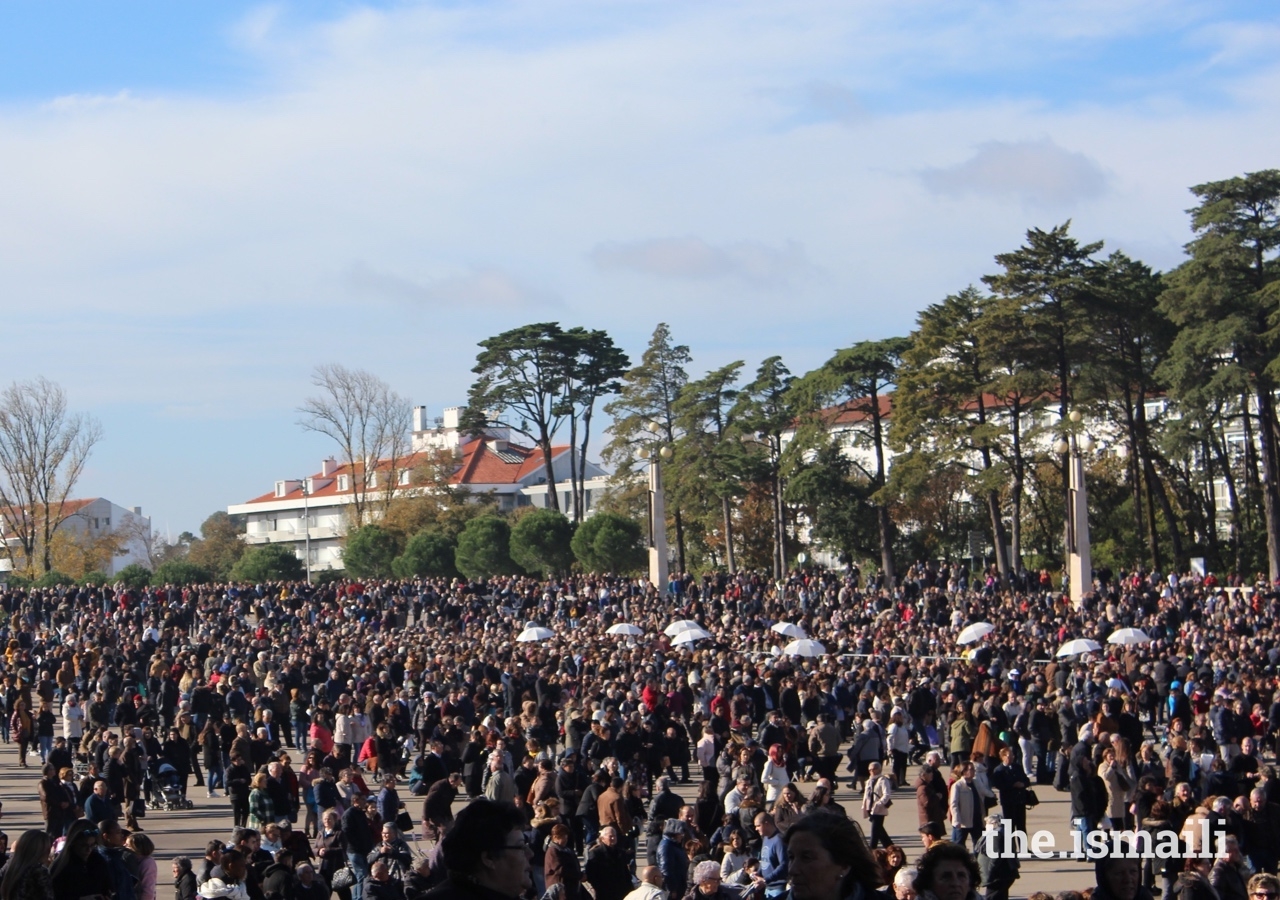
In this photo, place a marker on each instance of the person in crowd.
(184, 879)
(947, 872)
(26, 874)
(827, 859)
(485, 854)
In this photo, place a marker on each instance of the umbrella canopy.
(804, 647)
(975, 632)
(689, 635)
(788, 629)
(535, 633)
(625, 628)
(683, 625)
(1128, 636)
(1077, 646)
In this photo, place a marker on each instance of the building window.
(405, 477)
(524, 500)
(343, 483)
(586, 499)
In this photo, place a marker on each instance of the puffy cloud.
(1036, 172)
(693, 258)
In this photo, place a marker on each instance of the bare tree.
(43, 451)
(370, 424)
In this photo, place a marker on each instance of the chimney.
(452, 414)
(419, 418)
(328, 466)
(137, 510)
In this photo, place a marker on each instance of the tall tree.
(370, 424)
(593, 370)
(944, 406)
(765, 411)
(1131, 337)
(521, 372)
(709, 454)
(1226, 301)
(857, 381)
(43, 451)
(648, 395)
(1045, 283)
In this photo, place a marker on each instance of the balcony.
(318, 533)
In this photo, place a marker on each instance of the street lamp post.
(306, 527)
(655, 453)
(1079, 560)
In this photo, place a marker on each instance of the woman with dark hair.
(485, 854)
(828, 859)
(22, 727)
(26, 875)
(210, 741)
(79, 871)
(707, 809)
(789, 807)
(1120, 878)
(946, 871)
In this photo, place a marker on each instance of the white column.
(1079, 561)
(658, 574)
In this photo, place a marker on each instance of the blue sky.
(202, 201)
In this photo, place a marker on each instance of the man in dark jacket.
(360, 843)
(664, 805)
(278, 881)
(931, 791)
(673, 861)
(560, 865)
(607, 868)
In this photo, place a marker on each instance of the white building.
(94, 519)
(318, 505)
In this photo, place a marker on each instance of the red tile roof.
(479, 465)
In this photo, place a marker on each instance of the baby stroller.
(168, 790)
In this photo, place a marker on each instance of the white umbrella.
(804, 647)
(683, 625)
(1129, 636)
(975, 632)
(625, 628)
(788, 629)
(690, 635)
(1077, 646)
(535, 633)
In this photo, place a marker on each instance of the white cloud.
(70, 103)
(693, 258)
(422, 138)
(481, 287)
(1036, 172)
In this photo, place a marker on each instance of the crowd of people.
(345, 724)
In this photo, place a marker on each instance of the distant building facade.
(318, 505)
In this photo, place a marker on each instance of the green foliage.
(609, 543)
(647, 398)
(181, 572)
(95, 579)
(54, 579)
(540, 542)
(219, 546)
(370, 551)
(484, 548)
(327, 576)
(134, 576)
(520, 375)
(268, 562)
(427, 554)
